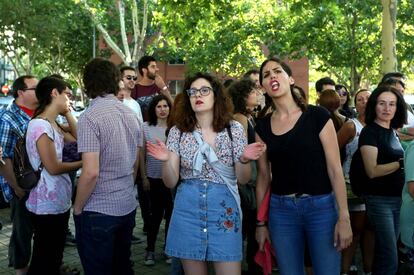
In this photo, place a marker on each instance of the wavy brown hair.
(222, 108)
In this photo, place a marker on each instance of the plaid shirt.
(13, 124)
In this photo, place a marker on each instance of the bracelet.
(261, 223)
(165, 88)
(243, 162)
(404, 131)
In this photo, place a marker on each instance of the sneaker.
(149, 258)
(70, 239)
(168, 259)
(136, 240)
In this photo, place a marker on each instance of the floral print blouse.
(228, 151)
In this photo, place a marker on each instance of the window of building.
(176, 86)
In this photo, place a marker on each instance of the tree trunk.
(389, 55)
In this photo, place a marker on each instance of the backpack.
(357, 175)
(26, 177)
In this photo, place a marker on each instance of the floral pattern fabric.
(52, 195)
(228, 152)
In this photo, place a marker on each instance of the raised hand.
(158, 150)
(159, 81)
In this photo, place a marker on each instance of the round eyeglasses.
(203, 91)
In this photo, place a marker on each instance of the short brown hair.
(222, 109)
(101, 77)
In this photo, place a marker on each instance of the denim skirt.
(205, 223)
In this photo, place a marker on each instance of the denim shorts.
(205, 223)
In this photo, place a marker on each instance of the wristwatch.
(401, 161)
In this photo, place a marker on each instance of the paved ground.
(71, 257)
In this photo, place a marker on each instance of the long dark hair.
(43, 90)
(298, 99)
(152, 116)
(400, 117)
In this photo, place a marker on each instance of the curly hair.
(400, 116)
(239, 92)
(100, 78)
(152, 116)
(222, 108)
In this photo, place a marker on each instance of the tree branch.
(121, 10)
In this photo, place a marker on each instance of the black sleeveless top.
(297, 157)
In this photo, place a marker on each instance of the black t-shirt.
(389, 150)
(297, 157)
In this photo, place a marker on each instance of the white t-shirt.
(410, 120)
(52, 194)
(134, 106)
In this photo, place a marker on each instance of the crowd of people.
(210, 162)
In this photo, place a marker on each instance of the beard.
(151, 75)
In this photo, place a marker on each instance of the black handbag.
(26, 177)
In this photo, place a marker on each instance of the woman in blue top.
(208, 151)
(303, 167)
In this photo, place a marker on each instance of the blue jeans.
(104, 242)
(294, 220)
(384, 215)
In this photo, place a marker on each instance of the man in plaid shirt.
(109, 135)
(13, 124)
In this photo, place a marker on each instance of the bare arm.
(343, 231)
(346, 134)
(262, 186)
(163, 88)
(48, 157)
(171, 170)
(372, 168)
(410, 186)
(87, 180)
(333, 163)
(263, 176)
(72, 124)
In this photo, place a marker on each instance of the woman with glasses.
(208, 152)
(49, 201)
(303, 171)
(382, 156)
(348, 137)
(345, 98)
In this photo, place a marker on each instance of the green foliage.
(45, 36)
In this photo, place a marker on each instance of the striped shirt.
(151, 132)
(114, 131)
